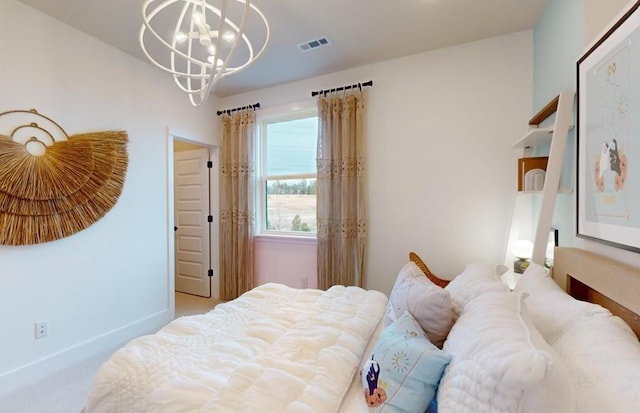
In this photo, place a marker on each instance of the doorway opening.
(194, 201)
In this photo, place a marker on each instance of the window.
(287, 185)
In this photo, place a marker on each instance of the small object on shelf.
(534, 180)
(525, 165)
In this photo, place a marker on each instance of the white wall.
(111, 281)
(441, 171)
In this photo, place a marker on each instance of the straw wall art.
(53, 185)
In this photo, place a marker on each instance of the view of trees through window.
(291, 205)
(289, 174)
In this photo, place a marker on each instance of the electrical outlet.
(42, 329)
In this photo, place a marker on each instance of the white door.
(193, 233)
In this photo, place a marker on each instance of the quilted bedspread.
(274, 349)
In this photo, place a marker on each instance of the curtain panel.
(237, 201)
(342, 224)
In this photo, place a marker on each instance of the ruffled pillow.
(475, 280)
(500, 363)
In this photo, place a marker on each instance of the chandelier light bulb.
(180, 37)
(192, 52)
(229, 36)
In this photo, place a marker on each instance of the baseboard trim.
(39, 369)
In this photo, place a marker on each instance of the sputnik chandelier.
(209, 40)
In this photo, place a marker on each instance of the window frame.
(266, 118)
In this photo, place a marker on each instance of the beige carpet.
(66, 391)
(187, 304)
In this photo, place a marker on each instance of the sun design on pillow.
(400, 362)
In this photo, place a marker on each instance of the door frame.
(177, 135)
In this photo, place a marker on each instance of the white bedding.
(354, 401)
(273, 349)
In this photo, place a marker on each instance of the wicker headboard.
(591, 277)
(413, 257)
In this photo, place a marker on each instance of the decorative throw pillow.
(429, 304)
(500, 362)
(551, 309)
(475, 280)
(404, 369)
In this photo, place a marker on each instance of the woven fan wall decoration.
(53, 185)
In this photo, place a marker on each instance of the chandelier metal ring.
(201, 49)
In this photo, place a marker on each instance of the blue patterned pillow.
(404, 370)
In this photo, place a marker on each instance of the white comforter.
(274, 349)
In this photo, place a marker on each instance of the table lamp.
(522, 250)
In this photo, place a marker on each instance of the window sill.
(285, 239)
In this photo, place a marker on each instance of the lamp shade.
(522, 249)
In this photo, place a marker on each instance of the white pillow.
(475, 280)
(551, 309)
(556, 392)
(603, 356)
(500, 363)
(428, 303)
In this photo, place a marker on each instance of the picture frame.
(608, 141)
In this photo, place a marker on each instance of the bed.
(466, 345)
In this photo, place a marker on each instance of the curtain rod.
(230, 111)
(357, 85)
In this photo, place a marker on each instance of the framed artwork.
(608, 136)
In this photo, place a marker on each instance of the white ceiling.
(361, 31)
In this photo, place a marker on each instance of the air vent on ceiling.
(314, 44)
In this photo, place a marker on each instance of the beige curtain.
(342, 225)
(237, 195)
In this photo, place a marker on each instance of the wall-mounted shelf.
(535, 137)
